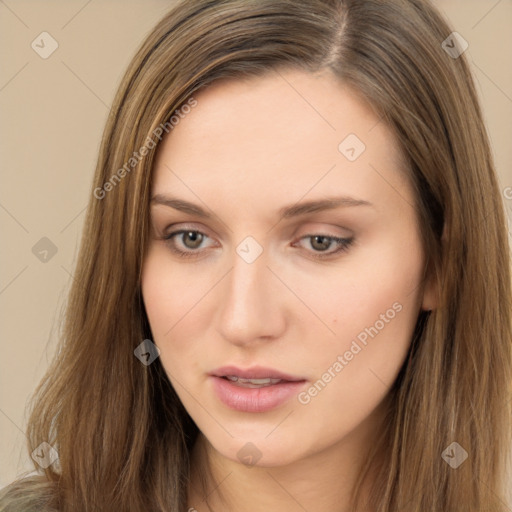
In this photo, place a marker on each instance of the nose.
(252, 303)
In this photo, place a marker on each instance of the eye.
(321, 244)
(190, 239)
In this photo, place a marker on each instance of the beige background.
(53, 112)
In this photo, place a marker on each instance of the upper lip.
(254, 372)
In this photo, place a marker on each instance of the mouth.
(252, 383)
(254, 373)
(255, 389)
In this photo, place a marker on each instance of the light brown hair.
(122, 435)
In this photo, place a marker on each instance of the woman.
(293, 290)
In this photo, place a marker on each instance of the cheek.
(168, 290)
(171, 297)
(353, 371)
(368, 290)
(372, 304)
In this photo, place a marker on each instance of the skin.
(249, 148)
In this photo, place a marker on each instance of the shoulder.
(29, 493)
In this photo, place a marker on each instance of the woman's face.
(316, 301)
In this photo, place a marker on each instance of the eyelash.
(344, 244)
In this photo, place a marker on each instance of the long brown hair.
(122, 435)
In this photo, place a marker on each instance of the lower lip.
(255, 399)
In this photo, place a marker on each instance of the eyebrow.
(286, 212)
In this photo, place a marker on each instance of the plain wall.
(53, 114)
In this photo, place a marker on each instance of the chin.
(261, 452)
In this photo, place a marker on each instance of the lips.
(255, 389)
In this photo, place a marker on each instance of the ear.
(431, 288)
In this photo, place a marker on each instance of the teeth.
(253, 382)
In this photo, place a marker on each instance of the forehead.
(284, 132)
